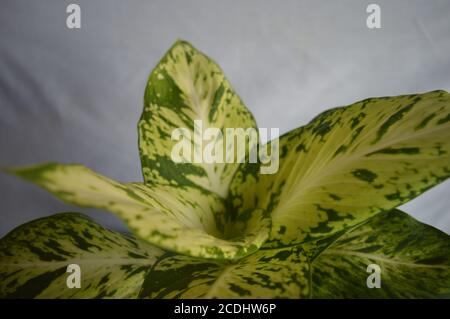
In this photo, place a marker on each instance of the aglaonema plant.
(224, 229)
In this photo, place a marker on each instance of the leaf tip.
(29, 172)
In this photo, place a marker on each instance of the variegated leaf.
(174, 218)
(35, 256)
(348, 164)
(414, 260)
(272, 273)
(184, 87)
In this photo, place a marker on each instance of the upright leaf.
(34, 259)
(184, 87)
(350, 163)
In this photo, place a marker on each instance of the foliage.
(226, 230)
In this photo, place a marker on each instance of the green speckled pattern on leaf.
(414, 259)
(185, 86)
(34, 259)
(180, 206)
(180, 220)
(225, 230)
(281, 273)
(348, 164)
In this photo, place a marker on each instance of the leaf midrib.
(301, 184)
(384, 259)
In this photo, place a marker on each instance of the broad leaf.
(34, 259)
(273, 273)
(184, 87)
(414, 259)
(181, 220)
(348, 164)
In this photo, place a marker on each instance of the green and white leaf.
(186, 86)
(34, 259)
(180, 220)
(273, 273)
(414, 259)
(348, 164)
